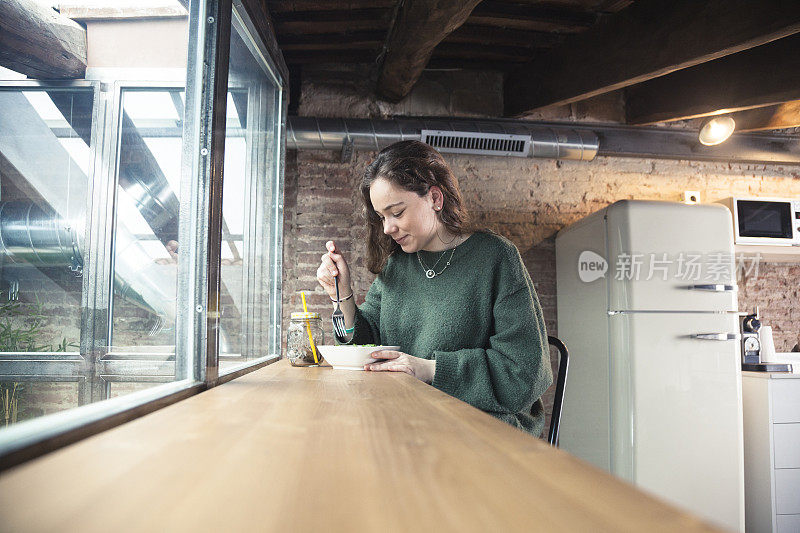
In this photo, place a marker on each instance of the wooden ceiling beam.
(598, 6)
(521, 24)
(651, 38)
(350, 45)
(774, 117)
(447, 64)
(316, 22)
(328, 41)
(532, 17)
(40, 43)
(332, 15)
(419, 27)
(765, 75)
(334, 38)
(481, 52)
(308, 57)
(488, 35)
(288, 6)
(327, 26)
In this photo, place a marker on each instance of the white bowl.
(345, 357)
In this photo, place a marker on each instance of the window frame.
(197, 313)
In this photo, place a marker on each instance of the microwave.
(770, 221)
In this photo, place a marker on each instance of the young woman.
(459, 302)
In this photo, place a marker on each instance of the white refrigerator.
(647, 307)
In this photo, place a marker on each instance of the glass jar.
(298, 346)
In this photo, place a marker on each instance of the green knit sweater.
(480, 319)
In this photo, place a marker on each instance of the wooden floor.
(317, 449)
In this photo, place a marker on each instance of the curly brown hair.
(415, 167)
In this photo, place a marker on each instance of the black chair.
(561, 381)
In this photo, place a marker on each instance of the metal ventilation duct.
(40, 237)
(480, 137)
(31, 234)
(36, 235)
(549, 140)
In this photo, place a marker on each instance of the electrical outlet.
(691, 197)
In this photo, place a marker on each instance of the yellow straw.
(308, 328)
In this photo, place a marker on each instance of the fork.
(338, 316)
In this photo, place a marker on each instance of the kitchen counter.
(771, 375)
(317, 449)
(771, 419)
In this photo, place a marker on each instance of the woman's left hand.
(422, 369)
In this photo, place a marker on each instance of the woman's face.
(408, 218)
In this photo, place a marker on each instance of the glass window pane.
(45, 172)
(45, 159)
(44, 168)
(23, 399)
(249, 192)
(146, 225)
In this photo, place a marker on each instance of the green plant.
(21, 330)
(9, 396)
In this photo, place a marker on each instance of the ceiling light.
(716, 130)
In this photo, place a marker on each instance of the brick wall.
(526, 200)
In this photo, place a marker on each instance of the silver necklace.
(430, 272)
(439, 259)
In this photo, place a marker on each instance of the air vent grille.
(466, 142)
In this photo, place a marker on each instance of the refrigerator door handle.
(713, 288)
(717, 336)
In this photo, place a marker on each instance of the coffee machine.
(749, 326)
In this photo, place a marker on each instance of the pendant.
(429, 273)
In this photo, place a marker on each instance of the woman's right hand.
(333, 264)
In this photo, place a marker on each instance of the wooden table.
(317, 449)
